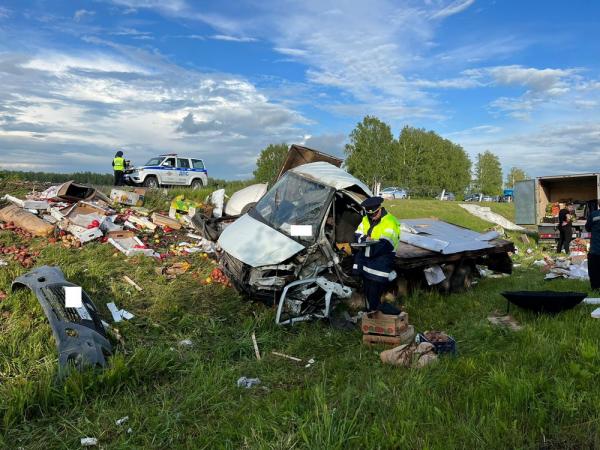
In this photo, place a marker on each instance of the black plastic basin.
(545, 301)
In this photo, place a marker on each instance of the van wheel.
(197, 184)
(462, 278)
(151, 182)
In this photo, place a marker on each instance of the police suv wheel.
(197, 184)
(151, 182)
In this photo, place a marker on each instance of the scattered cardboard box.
(144, 222)
(384, 324)
(405, 337)
(127, 243)
(165, 221)
(127, 197)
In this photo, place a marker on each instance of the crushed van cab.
(296, 231)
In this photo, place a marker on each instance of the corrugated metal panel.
(525, 203)
(443, 237)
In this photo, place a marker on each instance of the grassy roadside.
(448, 211)
(531, 389)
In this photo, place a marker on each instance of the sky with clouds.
(221, 80)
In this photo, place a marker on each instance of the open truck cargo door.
(298, 155)
(525, 202)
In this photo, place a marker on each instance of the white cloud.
(81, 14)
(455, 7)
(56, 103)
(539, 80)
(166, 6)
(291, 51)
(225, 37)
(365, 49)
(554, 147)
(4, 12)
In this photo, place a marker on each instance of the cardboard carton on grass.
(165, 221)
(135, 198)
(128, 243)
(384, 324)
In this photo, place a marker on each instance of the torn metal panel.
(308, 299)
(273, 277)
(431, 234)
(331, 175)
(79, 333)
(298, 155)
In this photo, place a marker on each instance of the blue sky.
(221, 80)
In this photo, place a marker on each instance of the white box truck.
(532, 198)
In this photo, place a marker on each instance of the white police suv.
(169, 170)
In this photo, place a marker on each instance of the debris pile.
(573, 266)
(74, 214)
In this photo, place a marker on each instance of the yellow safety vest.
(387, 228)
(119, 163)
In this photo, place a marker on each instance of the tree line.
(99, 179)
(418, 160)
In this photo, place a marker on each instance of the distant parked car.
(391, 193)
(447, 196)
(487, 198)
(472, 198)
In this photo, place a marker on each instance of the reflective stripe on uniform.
(368, 251)
(378, 273)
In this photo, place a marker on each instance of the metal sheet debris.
(443, 237)
(485, 213)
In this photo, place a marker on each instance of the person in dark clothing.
(593, 225)
(118, 165)
(379, 231)
(565, 229)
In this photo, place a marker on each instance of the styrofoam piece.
(434, 275)
(596, 313)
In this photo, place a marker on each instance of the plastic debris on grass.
(248, 382)
(89, 442)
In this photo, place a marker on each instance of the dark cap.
(372, 204)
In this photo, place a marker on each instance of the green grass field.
(536, 388)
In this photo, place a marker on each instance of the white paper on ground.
(434, 275)
(73, 297)
(301, 230)
(591, 301)
(596, 313)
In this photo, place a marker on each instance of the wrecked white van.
(298, 235)
(296, 231)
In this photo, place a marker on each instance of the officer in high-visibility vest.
(379, 231)
(118, 165)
